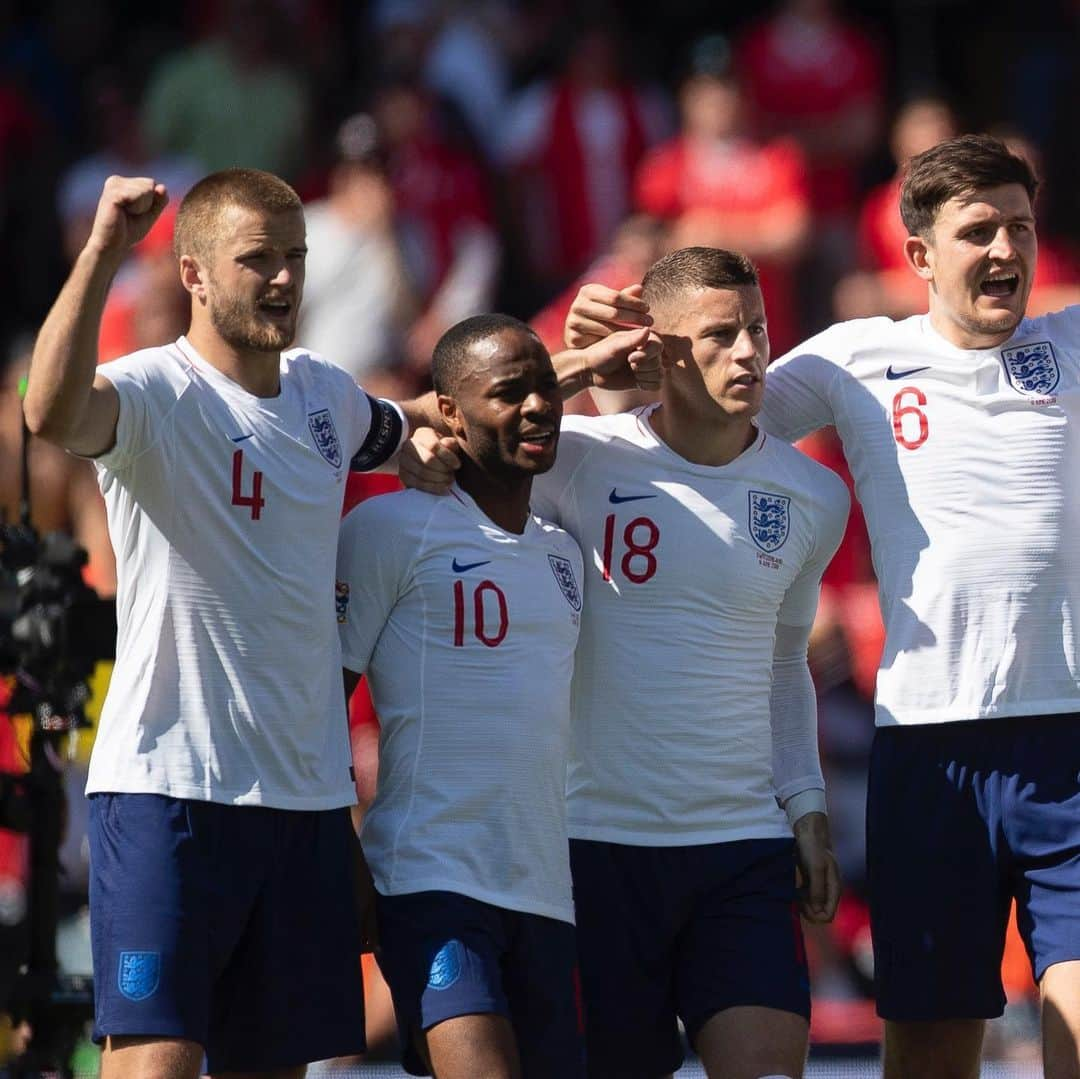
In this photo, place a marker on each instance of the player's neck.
(506, 503)
(257, 372)
(712, 440)
(960, 336)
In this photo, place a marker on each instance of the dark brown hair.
(198, 221)
(957, 168)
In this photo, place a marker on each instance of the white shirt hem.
(522, 904)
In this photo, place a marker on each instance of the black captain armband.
(383, 436)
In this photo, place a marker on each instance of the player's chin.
(535, 463)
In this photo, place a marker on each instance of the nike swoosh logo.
(614, 498)
(891, 374)
(243, 438)
(462, 567)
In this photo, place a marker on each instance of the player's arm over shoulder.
(800, 386)
(377, 548)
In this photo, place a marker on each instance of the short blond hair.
(198, 221)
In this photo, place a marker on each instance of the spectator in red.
(811, 74)
(451, 248)
(147, 305)
(920, 124)
(719, 186)
(571, 145)
(883, 284)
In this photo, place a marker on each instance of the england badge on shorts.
(564, 575)
(769, 520)
(139, 974)
(1032, 369)
(321, 426)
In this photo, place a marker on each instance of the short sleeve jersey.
(689, 568)
(467, 634)
(965, 462)
(223, 510)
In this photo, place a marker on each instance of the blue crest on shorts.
(321, 426)
(446, 966)
(769, 520)
(564, 574)
(139, 974)
(1032, 369)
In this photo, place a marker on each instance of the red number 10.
(479, 628)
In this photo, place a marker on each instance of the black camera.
(53, 630)
(53, 627)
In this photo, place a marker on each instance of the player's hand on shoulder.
(598, 311)
(126, 211)
(428, 461)
(819, 873)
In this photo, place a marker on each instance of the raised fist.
(127, 209)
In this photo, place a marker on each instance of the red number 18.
(637, 574)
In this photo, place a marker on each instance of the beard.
(239, 325)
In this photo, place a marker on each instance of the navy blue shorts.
(961, 819)
(445, 955)
(687, 932)
(232, 926)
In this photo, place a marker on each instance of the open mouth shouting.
(1001, 284)
(278, 308)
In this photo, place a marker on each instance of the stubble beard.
(238, 325)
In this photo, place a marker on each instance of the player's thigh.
(165, 911)
(928, 1049)
(473, 1047)
(939, 899)
(150, 1058)
(749, 1042)
(744, 946)
(627, 901)
(442, 955)
(1060, 992)
(543, 988)
(1042, 822)
(292, 991)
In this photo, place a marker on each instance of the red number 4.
(255, 500)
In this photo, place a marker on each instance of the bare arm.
(65, 403)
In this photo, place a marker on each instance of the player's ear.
(193, 277)
(919, 256)
(451, 414)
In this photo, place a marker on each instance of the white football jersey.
(966, 465)
(467, 635)
(688, 570)
(223, 510)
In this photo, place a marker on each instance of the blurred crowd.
(464, 157)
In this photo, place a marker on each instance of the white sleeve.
(147, 398)
(577, 436)
(372, 561)
(798, 389)
(799, 605)
(797, 776)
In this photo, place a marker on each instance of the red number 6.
(900, 410)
